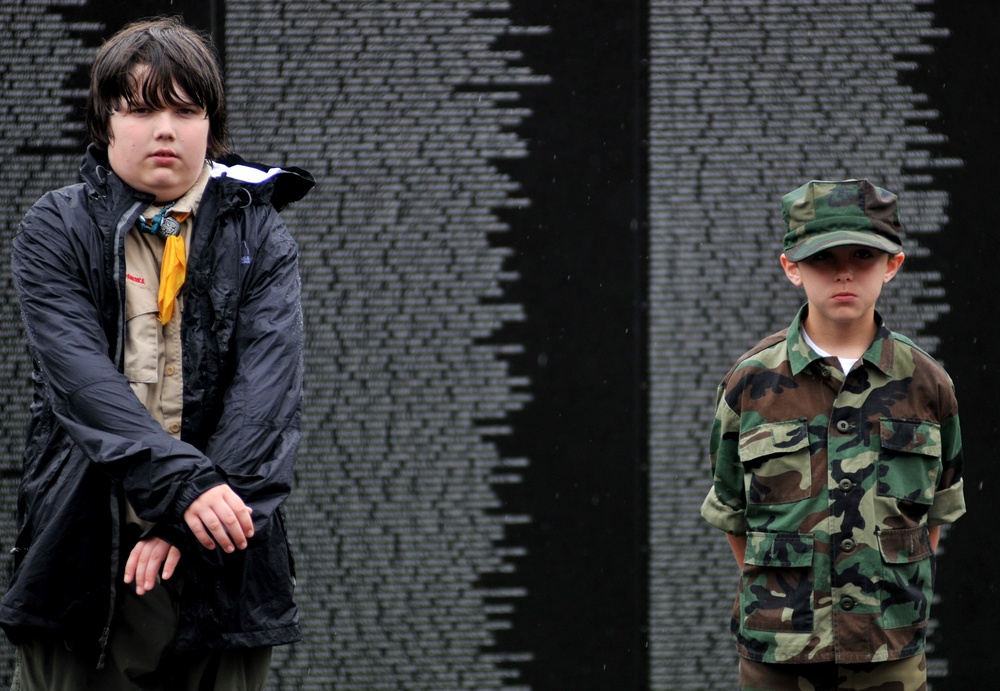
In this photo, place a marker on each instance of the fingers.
(145, 560)
(219, 517)
(132, 563)
(243, 517)
(170, 565)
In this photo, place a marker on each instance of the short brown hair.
(176, 56)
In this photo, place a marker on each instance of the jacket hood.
(279, 186)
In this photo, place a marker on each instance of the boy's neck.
(846, 340)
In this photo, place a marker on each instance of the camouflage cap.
(823, 214)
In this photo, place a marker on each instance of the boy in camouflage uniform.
(836, 456)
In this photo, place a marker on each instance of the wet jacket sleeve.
(256, 440)
(57, 264)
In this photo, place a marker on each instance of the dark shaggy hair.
(174, 56)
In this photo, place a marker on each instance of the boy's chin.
(165, 191)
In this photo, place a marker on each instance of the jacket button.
(846, 485)
(843, 426)
(848, 545)
(170, 369)
(174, 428)
(847, 603)
(824, 372)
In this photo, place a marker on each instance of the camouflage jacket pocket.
(907, 584)
(909, 462)
(776, 462)
(777, 592)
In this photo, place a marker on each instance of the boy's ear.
(893, 266)
(791, 271)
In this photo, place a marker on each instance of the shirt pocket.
(142, 334)
(907, 584)
(909, 463)
(777, 592)
(776, 462)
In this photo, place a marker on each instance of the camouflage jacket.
(834, 481)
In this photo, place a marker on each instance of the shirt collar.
(880, 353)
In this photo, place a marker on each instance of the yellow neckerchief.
(165, 222)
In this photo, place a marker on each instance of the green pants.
(909, 674)
(140, 655)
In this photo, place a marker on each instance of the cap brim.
(838, 238)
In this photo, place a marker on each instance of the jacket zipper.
(121, 227)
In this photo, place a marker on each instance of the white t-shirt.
(846, 363)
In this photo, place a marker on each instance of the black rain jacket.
(91, 443)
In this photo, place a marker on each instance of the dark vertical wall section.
(961, 79)
(579, 251)
(542, 231)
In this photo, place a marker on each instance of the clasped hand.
(217, 517)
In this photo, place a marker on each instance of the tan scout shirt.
(153, 361)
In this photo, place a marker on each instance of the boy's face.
(843, 283)
(159, 151)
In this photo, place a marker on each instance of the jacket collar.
(237, 181)
(880, 353)
(96, 172)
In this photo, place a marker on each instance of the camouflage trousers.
(909, 674)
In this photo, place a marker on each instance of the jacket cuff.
(194, 489)
(722, 516)
(176, 535)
